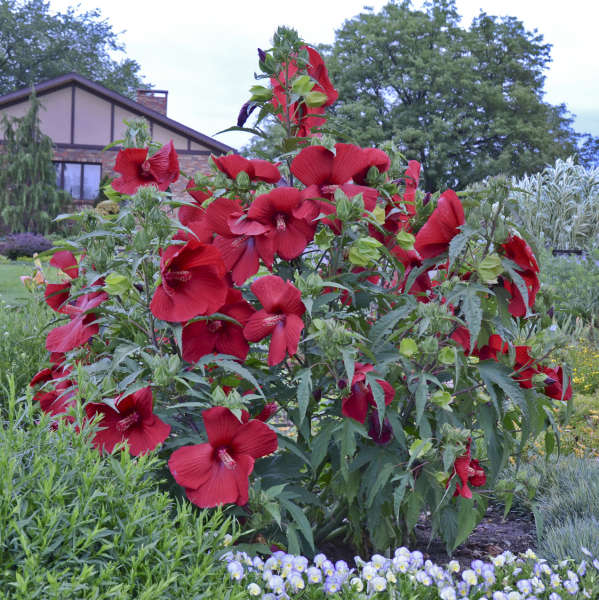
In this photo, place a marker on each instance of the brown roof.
(95, 88)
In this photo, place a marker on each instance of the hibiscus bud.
(244, 114)
(260, 93)
(408, 347)
(550, 313)
(242, 180)
(379, 435)
(364, 251)
(116, 284)
(261, 55)
(270, 408)
(342, 384)
(315, 99)
(426, 199)
(317, 394)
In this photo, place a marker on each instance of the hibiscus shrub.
(388, 337)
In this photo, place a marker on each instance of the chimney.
(153, 99)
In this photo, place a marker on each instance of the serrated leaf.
(473, 315)
(385, 323)
(457, 244)
(320, 444)
(383, 476)
(378, 395)
(349, 364)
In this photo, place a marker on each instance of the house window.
(81, 180)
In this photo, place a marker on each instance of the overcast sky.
(204, 52)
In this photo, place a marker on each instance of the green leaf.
(421, 398)
(467, 519)
(388, 321)
(384, 473)
(349, 364)
(300, 520)
(490, 268)
(458, 243)
(320, 444)
(230, 365)
(494, 372)
(379, 396)
(304, 392)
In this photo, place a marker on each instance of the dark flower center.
(274, 320)
(128, 422)
(281, 223)
(329, 189)
(214, 326)
(145, 169)
(177, 276)
(226, 458)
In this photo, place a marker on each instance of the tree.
(466, 103)
(36, 44)
(29, 198)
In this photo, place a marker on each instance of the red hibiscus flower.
(554, 384)
(133, 422)
(204, 337)
(375, 158)
(380, 435)
(323, 172)
(217, 472)
(193, 214)
(468, 471)
(59, 391)
(304, 117)
(356, 404)
(441, 227)
(138, 170)
(412, 179)
(56, 294)
(256, 169)
(242, 242)
(281, 317)
(525, 366)
(192, 282)
(82, 325)
(289, 234)
(517, 250)
(494, 346)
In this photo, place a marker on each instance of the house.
(82, 118)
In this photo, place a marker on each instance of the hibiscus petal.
(197, 341)
(145, 437)
(255, 438)
(221, 425)
(259, 326)
(191, 465)
(56, 294)
(313, 165)
(355, 405)
(270, 291)
(278, 345)
(164, 166)
(224, 485)
(66, 262)
(293, 330)
(265, 171)
(291, 242)
(69, 336)
(349, 160)
(232, 342)
(233, 164)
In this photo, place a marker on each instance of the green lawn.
(11, 289)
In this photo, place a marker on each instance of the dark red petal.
(66, 262)
(374, 158)
(69, 336)
(218, 213)
(293, 330)
(259, 326)
(270, 291)
(278, 345)
(355, 405)
(255, 439)
(164, 166)
(41, 376)
(265, 171)
(313, 165)
(142, 402)
(221, 425)
(198, 195)
(289, 244)
(191, 465)
(233, 164)
(224, 485)
(56, 295)
(232, 342)
(349, 160)
(245, 226)
(197, 341)
(128, 163)
(146, 436)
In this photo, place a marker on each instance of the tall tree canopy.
(36, 44)
(467, 103)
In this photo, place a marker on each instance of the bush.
(76, 525)
(24, 244)
(573, 282)
(22, 350)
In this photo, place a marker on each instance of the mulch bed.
(491, 537)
